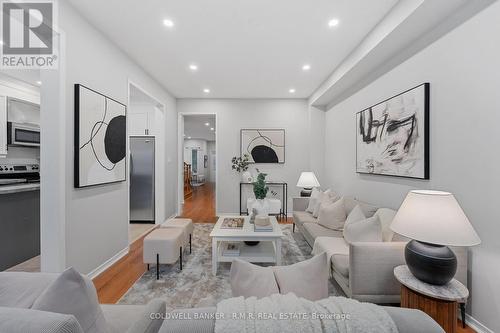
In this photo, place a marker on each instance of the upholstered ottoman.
(185, 224)
(163, 246)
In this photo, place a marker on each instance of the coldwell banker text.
(28, 35)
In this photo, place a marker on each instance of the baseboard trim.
(476, 325)
(108, 263)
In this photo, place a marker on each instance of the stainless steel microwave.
(23, 134)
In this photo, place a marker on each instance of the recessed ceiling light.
(206, 91)
(193, 67)
(207, 124)
(306, 67)
(291, 91)
(211, 128)
(168, 23)
(39, 82)
(333, 23)
(1, 42)
(189, 137)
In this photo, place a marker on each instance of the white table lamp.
(433, 220)
(307, 181)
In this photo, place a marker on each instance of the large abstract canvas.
(392, 137)
(100, 138)
(263, 145)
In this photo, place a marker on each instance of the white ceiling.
(194, 127)
(244, 48)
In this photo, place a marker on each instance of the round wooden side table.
(439, 302)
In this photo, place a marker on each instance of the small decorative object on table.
(240, 164)
(253, 215)
(262, 223)
(307, 181)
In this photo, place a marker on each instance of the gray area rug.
(195, 286)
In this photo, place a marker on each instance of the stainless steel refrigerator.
(142, 179)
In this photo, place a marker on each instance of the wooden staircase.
(188, 190)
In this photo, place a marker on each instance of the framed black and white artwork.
(100, 138)
(392, 137)
(263, 145)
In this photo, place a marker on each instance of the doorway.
(198, 157)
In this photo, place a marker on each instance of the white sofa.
(364, 270)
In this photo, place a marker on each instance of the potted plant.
(260, 190)
(261, 205)
(240, 164)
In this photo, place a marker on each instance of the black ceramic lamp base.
(306, 192)
(434, 264)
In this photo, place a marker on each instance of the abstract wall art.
(263, 145)
(100, 138)
(392, 137)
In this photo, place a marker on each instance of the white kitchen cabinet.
(141, 123)
(3, 126)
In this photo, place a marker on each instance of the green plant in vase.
(260, 188)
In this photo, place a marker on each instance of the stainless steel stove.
(19, 173)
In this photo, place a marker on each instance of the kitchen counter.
(16, 188)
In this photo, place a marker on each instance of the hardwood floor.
(200, 207)
(113, 283)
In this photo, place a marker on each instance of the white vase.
(261, 206)
(246, 177)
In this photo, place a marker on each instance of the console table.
(284, 196)
(439, 302)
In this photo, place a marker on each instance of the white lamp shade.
(434, 217)
(308, 180)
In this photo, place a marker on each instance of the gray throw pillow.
(249, 280)
(307, 279)
(73, 294)
(368, 230)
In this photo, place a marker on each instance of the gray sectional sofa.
(363, 270)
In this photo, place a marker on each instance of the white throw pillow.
(73, 294)
(326, 197)
(332, 215)
(249, 280)
(307, 279)
(368, 230)
(313, 199)
(355, 215)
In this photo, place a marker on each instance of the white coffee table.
(267, 251)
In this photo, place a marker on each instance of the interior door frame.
(180, 158)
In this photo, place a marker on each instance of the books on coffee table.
(263, 228)
(231, 249)
(232, 223)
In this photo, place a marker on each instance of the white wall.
(212, 156)
(235, 114)
(96, 218)
(463, 71)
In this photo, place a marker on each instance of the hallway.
(200, 206)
